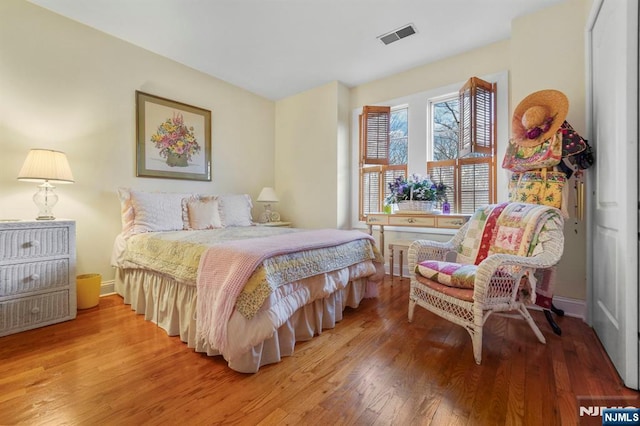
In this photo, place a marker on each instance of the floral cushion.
(455, 279)
(448, 273)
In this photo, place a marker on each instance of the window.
(459, 129)
(462, 142)
(383, 154)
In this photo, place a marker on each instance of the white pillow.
(235, 210)
(201, 212)
(157, 211)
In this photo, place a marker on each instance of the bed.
(199, 268)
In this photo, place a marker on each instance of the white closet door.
(613, 40)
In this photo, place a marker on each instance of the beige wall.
(561, 41)
(68, 87)
(311, 144)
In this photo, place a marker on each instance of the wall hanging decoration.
(173, 139)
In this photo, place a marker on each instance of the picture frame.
(173, 139)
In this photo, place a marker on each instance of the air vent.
(398, 34)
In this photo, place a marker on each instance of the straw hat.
(538, 116)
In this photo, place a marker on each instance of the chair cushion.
(455, 275)
(459, 293)
(448, 273)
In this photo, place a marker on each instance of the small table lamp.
(268, 195)
(45, 165)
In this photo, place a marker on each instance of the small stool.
(402, 246)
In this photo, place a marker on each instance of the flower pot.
(415, 206)
(177, 160)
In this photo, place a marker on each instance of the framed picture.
(173, 139)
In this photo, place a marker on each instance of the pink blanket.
(224, 270)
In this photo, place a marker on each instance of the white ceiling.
(277, 48)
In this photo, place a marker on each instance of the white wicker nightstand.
(37, 274)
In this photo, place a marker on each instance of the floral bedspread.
(177, 254)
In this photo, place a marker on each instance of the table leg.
(391, 262)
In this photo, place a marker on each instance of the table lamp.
(47, 166)
(268, 196)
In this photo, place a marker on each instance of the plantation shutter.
(444, 171)
(371, 187)
(477, 117)
(476, 177)
(374, 158)
(390, 174)
(374, 134)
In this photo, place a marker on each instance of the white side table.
(37, 274)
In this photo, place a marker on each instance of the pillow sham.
(126, 210)
(157, 211)
(235, 210)
(201, 212)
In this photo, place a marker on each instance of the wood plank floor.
(110, 366)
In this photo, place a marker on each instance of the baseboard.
(107, 288)
(572, 307)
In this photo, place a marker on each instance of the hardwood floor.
(110, 366)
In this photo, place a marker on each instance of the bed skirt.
(172, 306)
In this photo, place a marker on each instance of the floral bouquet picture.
(173, 139)
(176, 141)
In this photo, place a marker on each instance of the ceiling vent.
(398, 34)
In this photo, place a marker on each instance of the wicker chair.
(499, 270)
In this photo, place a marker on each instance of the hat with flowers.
(538, 116)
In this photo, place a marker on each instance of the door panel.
(614, 228)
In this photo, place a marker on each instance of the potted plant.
(417, 193)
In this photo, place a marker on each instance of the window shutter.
(374, 134)
(475, 177)
(444, 171)
(370, 190)
(477, 117)
(390, 174)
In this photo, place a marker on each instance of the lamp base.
(45, 199)
(269, 216)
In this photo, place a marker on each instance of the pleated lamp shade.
(267, 195)
(46, 165)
